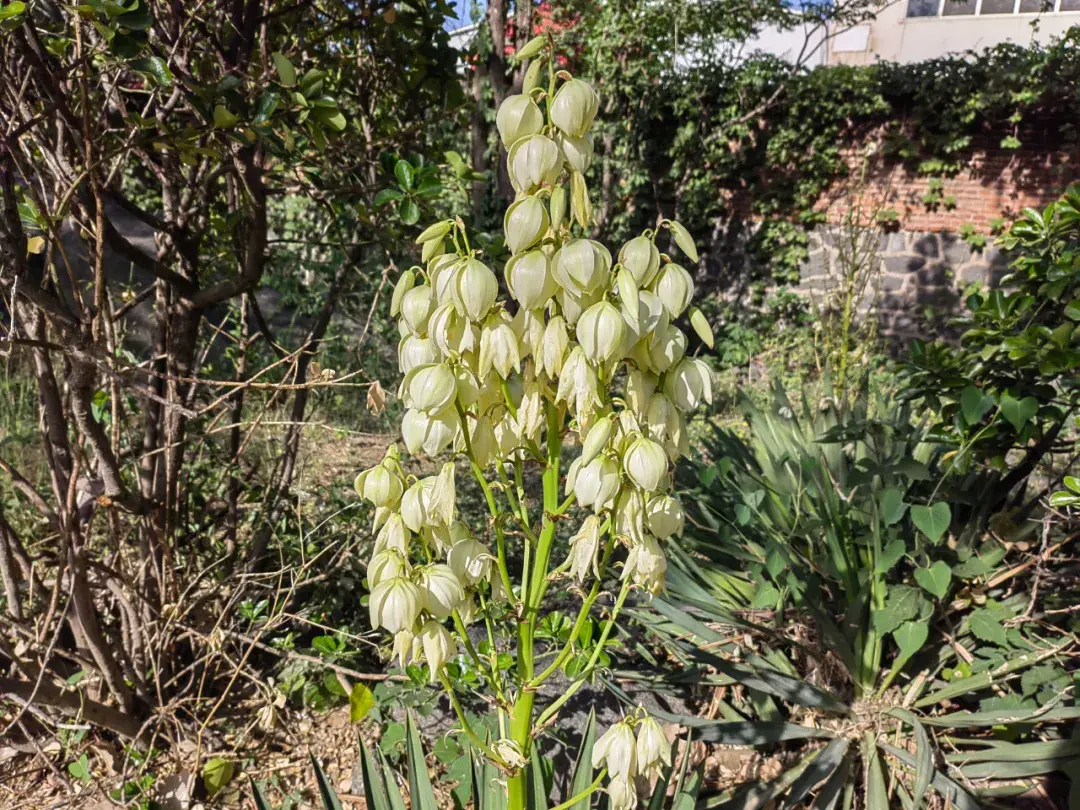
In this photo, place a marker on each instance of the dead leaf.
(376, 398)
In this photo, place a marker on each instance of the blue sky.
(462, 9)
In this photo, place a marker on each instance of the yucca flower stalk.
(585, 351)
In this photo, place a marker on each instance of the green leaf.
(820, 769)
(684, 240)
(260, 800)
(1019, 412)
(536, 789)
(924, 757)
(404, 173)
(329, 798)
(285, 70)
(986, 625)
(265, 107)
(1072, 311)
(223, 119)
(701, 327)
(974, 404)
(361, 701)
(216, 774)
(155, 67)
(959, 797)
(901, 605)
(409, 211)
(386, 195)
(332, 118)
(421, 793)
(892, 506)
(583, 770)
(933, 521)
(877, 797)
(12, 10)
(910, 637)
(935, 579)
(375, 792)
(80, 769)
(890, 555)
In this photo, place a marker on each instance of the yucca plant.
(921, 659)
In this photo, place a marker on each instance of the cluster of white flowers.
(634, 746)
(587, 346)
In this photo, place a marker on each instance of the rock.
(927, 245)
(904, 264)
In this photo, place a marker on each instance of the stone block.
(927, 245)
(955, 250)
(815, 264)
(904, 264)
(892, 282)
(995, 257)
(895, 242)
(936, 274)
(973, 273)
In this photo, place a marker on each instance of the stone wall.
(920, 276)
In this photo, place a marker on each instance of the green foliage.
(827, 516)
(1010, 384)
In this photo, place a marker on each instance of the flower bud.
(394, 605)
(415, 351)
(574, 107)
(646, 565)
(386, 564)
(416, 306)
(499, 347)
(444, 281)
(665, 348)
(617, 749)
(600, 331)
(645, 463)
(404, 284)
(573, 305)
(629, 514)
(664, 516)
(534, 161)
(442, 503)
(470, 561)
(583, 548)
(517, 118)
(430, 388)
(382, 487)
(581, 266)
(689, 384)
(468, 386)
(577, 151)
(701, 326)
(640, 386)
(440, 590)
(529, 280)
(675, 288)
(653, 749)
(641, 258)
(553, 347)
(475, 291)
(557, 204)
(597, 438)
(438, 646)
(532, 76)
(525, 223)
(596, 482)
(430, 433)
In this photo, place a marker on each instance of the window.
(958, 8)
(1070, 5)
(923, 8)
(996, 7)
(1036, 6)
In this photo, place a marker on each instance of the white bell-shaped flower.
(416, 307)
(443, 498)
(432, 434)
(664, 516)
(583, 549)
(689, 384)
(529, 327)
(444, 279)
(640, 386)
(665, 348)
(653, 747)
(645, 463)
(529, 279)
(617, 750)
(393, 534)
(577, 151)
(646, 565)
(578, 384)
(470, 561)
(525, 223)
(553, 347)
(581, 266)
(641, 258)
(621, 795)
(415, 351)
(453, 334)
(380, 485)
(534, 161)
(415, 505)
(468, 386)
(386, 564)
(597, 482)
(518, 117)
(430, 388)
(675, 287)
(438, 647)
(629, 515)
(597, 438)
(481, 438)
(406, 647)
(574, 107)
(499, 347)
(394, 605)
(440, 590)
(475, 290)
(600, 332)
(573, 305)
